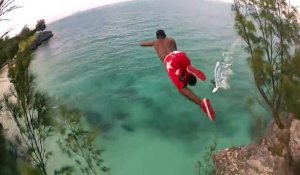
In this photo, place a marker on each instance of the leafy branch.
(271, 33)
(79, 143)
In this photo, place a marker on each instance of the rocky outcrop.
(41, 37)
(276, 154)
(7, 122)
(294, 143)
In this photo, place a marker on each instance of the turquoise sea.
(94, 62)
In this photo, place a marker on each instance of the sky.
(50, 10)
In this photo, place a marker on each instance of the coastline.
(4, 81)
(10, 127)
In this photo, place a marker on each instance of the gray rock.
(294, 143)
(42, 37)
(272, 156)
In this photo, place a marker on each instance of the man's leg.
(190, 95)
(204, 104)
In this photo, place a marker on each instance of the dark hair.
(160, 34)
(192, 80)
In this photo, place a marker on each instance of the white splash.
(222, 69)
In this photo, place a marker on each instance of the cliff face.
(277, 154)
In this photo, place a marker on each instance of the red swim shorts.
(176, 64)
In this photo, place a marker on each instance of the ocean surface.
(94, 62)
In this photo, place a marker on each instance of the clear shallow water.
(94, 62)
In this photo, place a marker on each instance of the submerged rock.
(97, 119)
(274, 155)
(120, 115)
(42, 37)
(127, 127)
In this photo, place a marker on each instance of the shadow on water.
(97, 119)
(169, 127)
(127, 127)
(128, 92)
(120, 114)
(182, 126)
(110, 121)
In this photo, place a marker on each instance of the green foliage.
(8, 49)
(258, 120)
(271, 33)
(7, 161)
(25, 33)
(205, 166)
(40, 25)
(9, 46)
(79, 143)
(29, 110)
(6, 6)
(67, 170)
(291, 85)
(28, 170)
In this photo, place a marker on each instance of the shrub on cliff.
(271, 33)
(40, 25)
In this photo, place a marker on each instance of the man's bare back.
(164, 46)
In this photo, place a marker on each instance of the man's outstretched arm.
(147, 43)
(190, 95)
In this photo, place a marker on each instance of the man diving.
(180, 70)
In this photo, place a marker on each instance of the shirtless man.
(180, 70)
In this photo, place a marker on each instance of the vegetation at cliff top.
(36, 120)
(270, 30)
